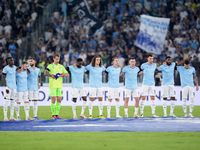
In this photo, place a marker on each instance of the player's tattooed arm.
(196, 82)
(46, 72)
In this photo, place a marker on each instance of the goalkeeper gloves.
(60, 74)
(54, 76)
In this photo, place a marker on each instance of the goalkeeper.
(56, 72)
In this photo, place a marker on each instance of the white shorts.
(33, 95)
(22, 96)
(133, 93)
(96, 92)
(188, 90)
(148, 90)
(113, 93)
(78, 91)
(167, 91)
(11, 95)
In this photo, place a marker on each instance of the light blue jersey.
(148, 70)
(131, 77)
(77, 76)
(186, 75)
(33, 79)
(10, 76)
(167, 73)
(113, 74)
(95, 75)
(22, 79)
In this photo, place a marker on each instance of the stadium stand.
(64, 32)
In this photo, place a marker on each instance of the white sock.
(35, 108)
(83, 107)
(100, 108)
(153, 106)
(191, 105)
(74, 108)
(26, 109)
(90, 108)
(165, 106)
(172, 106)
(126, 111)
(136, 110)
(117, 108)
(12, 108)
(184, 106)
(17, 109)
(108, 108)
(142, 106)
(5, 107)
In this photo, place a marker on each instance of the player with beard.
(34, 82)
(167, 88)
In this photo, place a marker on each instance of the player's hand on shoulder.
(18, 69)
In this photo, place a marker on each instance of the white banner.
(151, 36)
(45, 100)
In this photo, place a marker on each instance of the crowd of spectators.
(17, 18)
(121, 18)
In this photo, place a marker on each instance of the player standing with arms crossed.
(77, 72)
(113, 84)
(34, 82)
(148, 87)
(188, 77)
(95, 80)
(56, 71)
(167, 88)
(131, 86)
(22, 90)
(9, 81)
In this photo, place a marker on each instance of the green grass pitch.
(100, 140)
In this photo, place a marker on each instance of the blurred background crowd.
(39, 28)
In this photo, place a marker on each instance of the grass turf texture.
(100, 140)
(44, 112)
